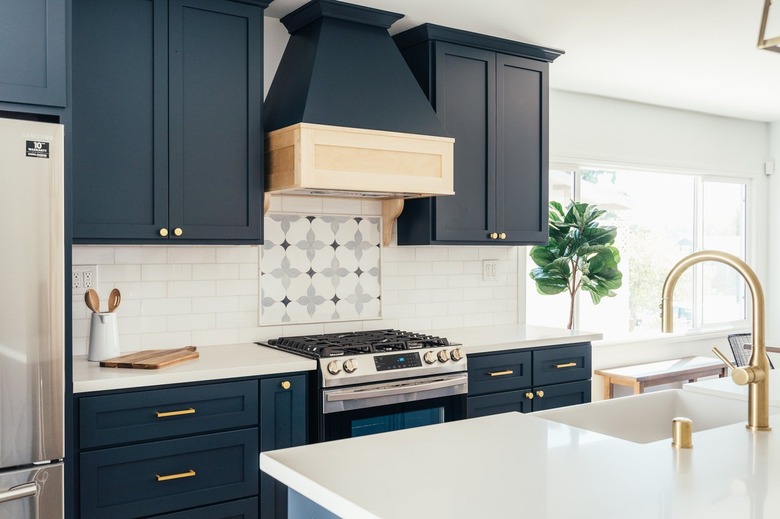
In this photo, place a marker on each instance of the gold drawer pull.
(529, 396)
(567, 365)
(540, 394)
(286, 385)
(189, 474)
(500, 373)
(174, 413)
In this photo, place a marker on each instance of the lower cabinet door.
(561, 395)
(166, 476)
(497, 403)
(241, 509)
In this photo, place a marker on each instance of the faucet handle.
(722, 357)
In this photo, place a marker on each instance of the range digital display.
(409, 359)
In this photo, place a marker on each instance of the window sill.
(672, 338)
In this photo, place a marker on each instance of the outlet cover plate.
(84, 277)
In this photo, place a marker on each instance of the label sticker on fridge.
(38, 149)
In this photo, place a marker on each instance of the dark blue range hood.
(342, 68)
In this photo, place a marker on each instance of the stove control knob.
(334, 368)
(443, 356)
(350, 365)
(429, 357)
(456, 354)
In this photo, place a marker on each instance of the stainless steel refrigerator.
(32, 338)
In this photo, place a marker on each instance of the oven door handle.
(396, 389)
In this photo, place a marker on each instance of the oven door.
(390, 406)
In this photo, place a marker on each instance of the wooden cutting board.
(152, 359)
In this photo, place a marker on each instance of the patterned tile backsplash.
(180, 295)
(320, 268)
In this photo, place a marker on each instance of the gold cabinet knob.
(540, 394)
(177, 231)
(502, 236)
(163, 232)
(529, 396)
(286, 384)
(493, 235)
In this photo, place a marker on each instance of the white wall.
(773, 243)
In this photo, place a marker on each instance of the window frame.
(700, 177)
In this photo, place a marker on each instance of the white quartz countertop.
(215, 362)
(514, 465)
(485, 339)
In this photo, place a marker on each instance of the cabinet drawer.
(499, 403)
(561, 395)
(564, 364)
(163, 413)
(241, 509)
(499, 372)
(165, 476)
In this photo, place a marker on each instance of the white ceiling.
(692, 54)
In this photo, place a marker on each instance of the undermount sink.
(648, 417)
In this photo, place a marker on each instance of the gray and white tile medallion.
(320, 268)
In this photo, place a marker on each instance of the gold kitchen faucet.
(756, 374)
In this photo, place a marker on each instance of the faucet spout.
(756, 374)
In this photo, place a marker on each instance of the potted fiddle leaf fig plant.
(580, 254)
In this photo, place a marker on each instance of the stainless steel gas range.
(381, 380)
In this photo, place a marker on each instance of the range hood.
(345, 116)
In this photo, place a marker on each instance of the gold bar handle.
(500, 373)
(166, 414)
(567, 365)
(189, 474)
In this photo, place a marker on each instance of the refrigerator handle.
(19, 492)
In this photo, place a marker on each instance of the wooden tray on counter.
(152, 359)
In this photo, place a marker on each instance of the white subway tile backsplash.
(192, 288)
(182, 295)
(166, 272)
(93, 255)
(190, 254)
(216, 304)
(215, 271)
(140, 255)
(166, 306)
(238, 254)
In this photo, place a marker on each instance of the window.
(660, 218)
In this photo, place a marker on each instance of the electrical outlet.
(84, 277)
(490, 270)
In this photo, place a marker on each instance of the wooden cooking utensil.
(114, 298)
(93, 300)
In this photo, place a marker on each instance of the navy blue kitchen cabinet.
(32, 52)
(167, 138)
(492, 97)
(187, 450)
(282, 425)
(529, 380)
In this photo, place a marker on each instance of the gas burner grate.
(356, 343)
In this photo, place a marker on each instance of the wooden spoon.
(93, 300)
(114, 298)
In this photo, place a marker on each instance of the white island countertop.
(215, 362)
(486, 339)
(514, 465)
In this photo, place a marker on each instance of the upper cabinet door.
(32, 52)
(119, 119)
(465, 100)
(216, 139)
(521, 149)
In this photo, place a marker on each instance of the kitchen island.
(519, 465)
